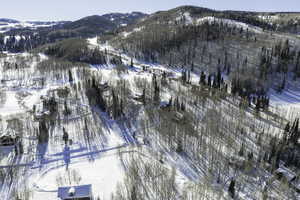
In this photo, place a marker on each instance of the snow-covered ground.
(188, 19)
(7, 26)
(229, 22)
(126, 34)
(104, 173)
(96, 156)
(286, 103)
(11, 105)
(95, 162)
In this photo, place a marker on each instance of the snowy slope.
(94, 161)
(7, 25)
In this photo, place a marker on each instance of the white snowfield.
(103, 174)
(229, 22)
(11, 105)
(188, 19)
(126, 34)
(4, 26)
(286, 103)
(269, 17)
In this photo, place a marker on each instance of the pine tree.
(116, 105)
(283, 84)
(67, 111)
(131, 62)
(156, 97)
(297, 67)
(43, 134)
(133, 193)
(219, 78)
(70, 76)
(231, 188)
(179, 148)
(65, 136)
(209, 81)
(202, 78)
(258, 104)
(241, 151)
(144, 96)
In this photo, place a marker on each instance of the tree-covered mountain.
(20, 36)
(185, 104)
(124, 19)
(242, 45)
(88, 26)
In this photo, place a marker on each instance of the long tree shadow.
(40, 153)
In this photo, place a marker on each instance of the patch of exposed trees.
(95, 94)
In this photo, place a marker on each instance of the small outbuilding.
(8, 138)
(81, 192)
(104, 86)
(285, 173)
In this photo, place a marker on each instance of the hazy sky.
(75, 9)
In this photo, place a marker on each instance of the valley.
(183, 104)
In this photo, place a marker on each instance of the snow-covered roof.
(288, 174)
(81, 191)
(8, 132)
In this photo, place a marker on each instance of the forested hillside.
(185, 104)
(253, 58)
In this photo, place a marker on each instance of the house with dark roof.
(81, 192)
(286, 174)
(8, 138)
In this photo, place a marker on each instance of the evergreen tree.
(43, 134)
(283, 84)
(297, 67)
(156, 97)
(219, 78)
(179, 148)
(65, 136)
(202, 78)
(241, 151)
(209, 81)
(144, 96)
(70, 76)
(131, 62)
(231, 188)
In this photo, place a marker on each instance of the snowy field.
(287, 103)
(103, 173)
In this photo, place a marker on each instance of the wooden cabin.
(177, 117)
(40, 115)
(139, 97)
(104, 86)
(284, 173)
(8, 139)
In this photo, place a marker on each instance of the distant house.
(104, 86)
(237, 162)
(81, 192)
(40, 115)
(138, 97)
(177, 117)
(8, 138)
(285, 173)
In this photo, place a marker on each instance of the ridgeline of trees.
(76, 50)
